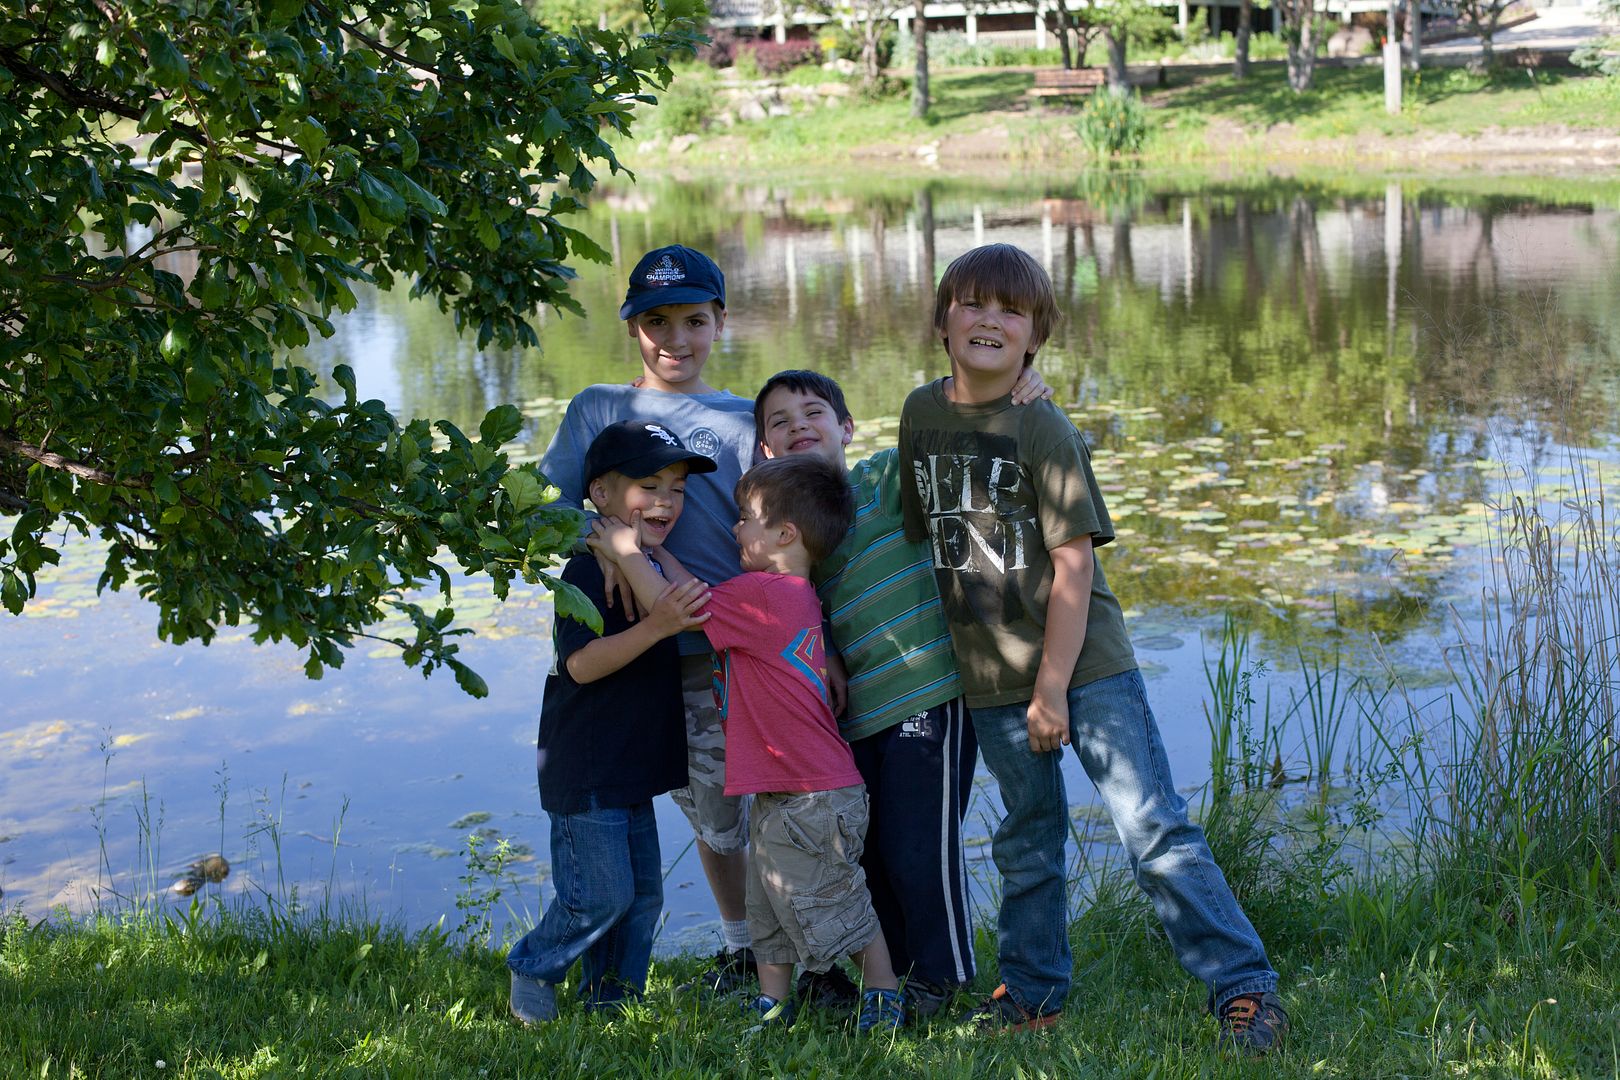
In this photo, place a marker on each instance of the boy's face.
(675, 340)
(797, 422)
(986, 339)
(659, 497)
(755, 539)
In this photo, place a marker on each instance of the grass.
(1479, 939)
(985, 112)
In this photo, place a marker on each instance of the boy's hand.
(611, 540)
(1048, 722)
(1030, 387)
(677, 608)
(837, 683)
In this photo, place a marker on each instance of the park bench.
(1074, 82)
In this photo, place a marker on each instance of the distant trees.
(1300, 37)
(1483, 17)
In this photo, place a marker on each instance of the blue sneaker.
(881, 1011)
(533, 1001)
(771, 1013)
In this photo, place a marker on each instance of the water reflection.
(1297, 398)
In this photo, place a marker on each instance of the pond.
(1303, 402)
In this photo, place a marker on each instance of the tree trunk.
(1119, 80)
(919, 81)
(1240, 46)
(1061, 22)
(1301, 43)
(1414, 35)
(871, 31)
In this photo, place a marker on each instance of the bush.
(687, 106)
(776, 57)
(721, 51)
(951, 49)
(1113, 124)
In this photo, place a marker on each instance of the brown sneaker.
(1256, 1023)
(999, 1012)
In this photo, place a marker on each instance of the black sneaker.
(727, 973)
(999, 1012)
(831, 990)
(1255, 1023)
(923, 999)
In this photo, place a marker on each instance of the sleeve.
(911, 507)
(568, 636)
(1070, 503)
(737, 608)
(564, 459)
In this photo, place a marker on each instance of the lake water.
(1302, 401)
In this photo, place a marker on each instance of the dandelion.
(162, 1064)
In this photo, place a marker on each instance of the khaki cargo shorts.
(718, 819)
(807, 897)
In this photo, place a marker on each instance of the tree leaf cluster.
(188, 190)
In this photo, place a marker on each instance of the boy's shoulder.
(622, 397)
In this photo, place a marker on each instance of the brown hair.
(1008, 275)
(803, 489)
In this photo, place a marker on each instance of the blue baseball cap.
(673, 275)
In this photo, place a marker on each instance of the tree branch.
(57, 461)
(393, 54)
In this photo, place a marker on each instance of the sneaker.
(924, 1000)
(881, 1011)
(830, 989)
(772, 1013)
(727, 973)
(1255, 1023)
(533, 1001)
(999, 1012)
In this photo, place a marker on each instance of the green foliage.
(1113, 124)
(290, 151)
(688, 105)
(950, 49)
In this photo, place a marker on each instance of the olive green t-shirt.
(993, 487)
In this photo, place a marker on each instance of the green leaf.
(310, 137)
(381, 200)
(573, 604)
(169, 69)
(500, 425)
(469, 680)
(524, 491)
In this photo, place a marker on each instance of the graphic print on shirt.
(801, 654)
(982, 522)
(722, 672)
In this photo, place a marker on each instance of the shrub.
(687, 106)
(1113, 123)
(776, 57)
(721, 51)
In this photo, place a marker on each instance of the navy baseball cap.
(639, 448)
(673, 275)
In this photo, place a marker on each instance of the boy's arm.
(621, 544)
(674, 610)
(1073, 567)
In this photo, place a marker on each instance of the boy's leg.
(1033, 925)
(919, 775)
(591, 870)
(616, 966)
(720, 821)
(1117, 739)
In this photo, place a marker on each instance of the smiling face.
(675, 341)
(989, 343)
(659, 497)
(756, 539)
(799, 422)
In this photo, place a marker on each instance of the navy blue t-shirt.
(617, 741)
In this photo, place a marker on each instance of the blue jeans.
(1113, 731)
(610, 889)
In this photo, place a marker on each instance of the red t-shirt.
(771, 687)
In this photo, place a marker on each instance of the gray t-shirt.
(993, 488)
(719, 425)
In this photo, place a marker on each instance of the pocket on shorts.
(834, 926)
(795, 834)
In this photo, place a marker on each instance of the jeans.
(1113, 731)
(610, 890)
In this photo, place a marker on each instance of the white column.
(1182, 15)
(972, 28)
(1393, 222)
(1046, 239)
(913, 241)
(791, 266)
(781, 27)
(1392, 77)
(1188, 264)
(857, 279)
(1040, 26)
(978, 225)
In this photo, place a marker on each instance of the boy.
(807, 896)
(906, 721)
(1008, 502)
(611, 738)
(674, 309)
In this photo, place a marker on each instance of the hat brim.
(644, 465)
(673, 294)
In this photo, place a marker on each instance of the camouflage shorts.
(720, 820)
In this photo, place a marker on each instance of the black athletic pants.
(918, 776)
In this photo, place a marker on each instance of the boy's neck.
(691, 386)
(791, 561)
(975, 388)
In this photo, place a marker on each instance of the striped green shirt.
(879, 593)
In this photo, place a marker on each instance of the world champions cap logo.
(666, 271)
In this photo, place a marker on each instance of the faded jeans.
(610, 890)
(1117, 739)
